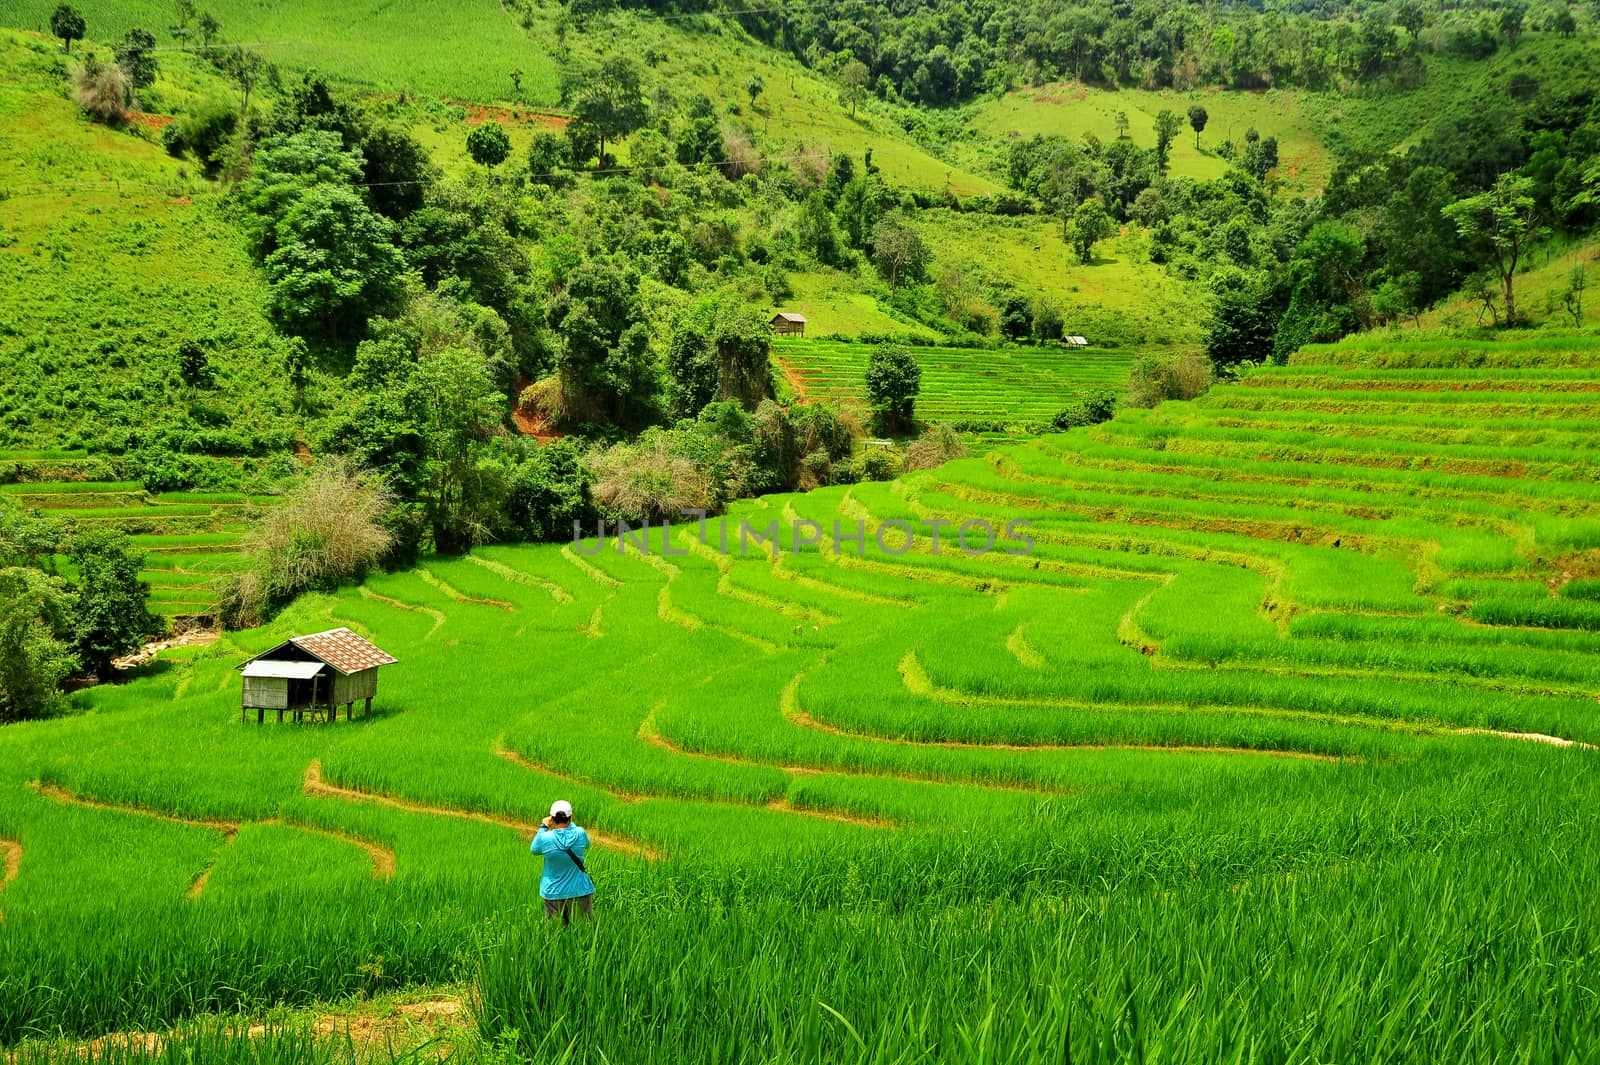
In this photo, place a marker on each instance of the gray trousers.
(564, 907)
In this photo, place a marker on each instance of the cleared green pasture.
(1207, 717)
(1069, 109)
(1016, 386)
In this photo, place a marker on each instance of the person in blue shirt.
(565, 885)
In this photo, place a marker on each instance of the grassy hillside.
(1540, 292)
(469, 49)
(113, 255)
(1070, 110)
(819, 736)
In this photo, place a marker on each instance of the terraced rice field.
(1014, 386)
(1225, 768)
(191, 540)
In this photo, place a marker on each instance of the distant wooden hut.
(787, 323)
(312, 675)
(1076, 342)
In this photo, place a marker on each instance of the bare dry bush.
(648, 480)
(328, 530)
(103, 93)
(937, 445)
(740, 154)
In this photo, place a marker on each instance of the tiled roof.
(344, 650)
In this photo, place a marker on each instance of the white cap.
(561, 806)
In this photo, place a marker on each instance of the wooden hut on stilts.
(310, 676)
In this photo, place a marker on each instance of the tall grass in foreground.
(1463, 956)
(216, 1044)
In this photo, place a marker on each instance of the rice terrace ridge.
(928, 532)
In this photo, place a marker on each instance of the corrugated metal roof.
(344, 650)
(272, 667)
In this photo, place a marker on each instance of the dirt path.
(421, 1018)
(383, 863)
(506, 573)
(317, 787)
(451, 592)
(1529, 737)
(10, 865)
(436, 615)
(796, 382)
(648, 734)
(805, 720)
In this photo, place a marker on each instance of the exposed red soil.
(150, 121)
(534, 423)
(478, 114)
(796, 382)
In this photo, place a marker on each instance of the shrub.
(548, 491)
(102, 92)
(1093, 409)
(875, 464)
(649, 480)
(329, 529)
(937, 445)
(1156, 378)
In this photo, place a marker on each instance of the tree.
(1511, 20)
(753, 87)
(209, 28)
(136, 55)
(1497, 226)
(1412, 17)
(1565, 23)
(853, 81)
(102, 91)
(816, 232)
(1572, 295)
(335, 262)
(604, 363)
(721, 349)
(1260, 155)
(111, 614)
(328, 529)
(35, 656)
(1167, 126)
(547, 159)
(893, 381)
(1090, 224)
(488, 144)
(1016, 316)
(607, 103)
(397, 170)
(466, 410)
(899, 251)
(180, 29)
(516, 81)
(1244, 321)
(1122, 124)
(1327, 293)
(1197, 122)
(245, 68)
(66, 23)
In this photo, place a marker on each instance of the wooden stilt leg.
(368, 711)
